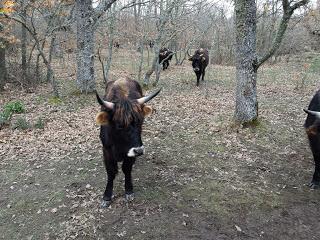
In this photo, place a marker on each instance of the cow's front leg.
(315, 183)
(112, 170)
(128, 186)
(198, 77)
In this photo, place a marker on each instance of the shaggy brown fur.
(102, 118)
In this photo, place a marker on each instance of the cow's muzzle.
(136, 151)
(196, 69)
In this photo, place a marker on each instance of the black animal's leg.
(128, 186)
(203, 73)
(165, 65)
(112, 170)
(316, 176)
(315, 148)
(198, 78)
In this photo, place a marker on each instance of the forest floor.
(201, 177)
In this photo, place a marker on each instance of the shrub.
(40, 123)
(21, 123)
(9, 109)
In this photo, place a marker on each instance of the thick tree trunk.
(247, 63)
(246, 72)
(3, 70)
(155, 61)
(85, 46)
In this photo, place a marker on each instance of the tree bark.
(85, 46)
(3, 69)
(25, 78)
(87, 17)
(246, 72)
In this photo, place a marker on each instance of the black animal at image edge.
(200, 60)
(312, 127)
(121, 118)
(166, 54)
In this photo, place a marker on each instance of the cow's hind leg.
(112, 170)
(203, 73)
(128, 186)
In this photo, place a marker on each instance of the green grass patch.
(55, 101)
(315, 65)
(39, 123)
(9, 109)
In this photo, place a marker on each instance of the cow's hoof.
(105, 203)
(129, 197)
(314, 185)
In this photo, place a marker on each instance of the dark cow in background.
(200, 61)
(116, 44)
(151, 43)
(165, 55)
(312, 126)
(121, 118)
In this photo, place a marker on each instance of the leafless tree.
(247, 61)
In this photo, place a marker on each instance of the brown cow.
(121, 118)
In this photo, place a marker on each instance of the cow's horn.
(188, 53)
(314, 113)
(148, 97)
(107, 104)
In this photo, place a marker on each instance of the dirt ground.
(201, 177)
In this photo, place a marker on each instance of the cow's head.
(314, 129)
(124, 120)
(197, 61)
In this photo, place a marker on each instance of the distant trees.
(45, 30)
(247, 61)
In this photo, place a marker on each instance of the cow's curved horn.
(188, 53)
(314, 113)
(107, 104)
(148, 97)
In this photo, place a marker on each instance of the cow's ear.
(147, 110)
(102, 118)
(190, 59)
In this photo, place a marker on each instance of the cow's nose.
(138, 151)
(196, 69)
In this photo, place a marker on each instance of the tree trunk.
(25, 78)
(3, 69)
(85, 46)
(141, 58)
(246, 72)
(111, 33)
(247, 62)
(155, 61)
